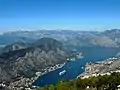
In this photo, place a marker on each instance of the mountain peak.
(47, 44)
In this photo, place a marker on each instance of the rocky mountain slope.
(26, 60)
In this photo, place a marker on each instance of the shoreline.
(27, 83)
(47, 70)
(85, 74)
(94, 68)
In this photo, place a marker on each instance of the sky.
(59, 14)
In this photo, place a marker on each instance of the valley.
(30, 62)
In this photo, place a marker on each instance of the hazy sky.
(59, 14)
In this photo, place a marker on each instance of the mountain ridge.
(32, 59)
(107, 38)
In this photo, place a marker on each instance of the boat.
(62, 72)
(82, 67)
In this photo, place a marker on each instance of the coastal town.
(100, 68)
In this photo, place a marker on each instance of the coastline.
(98, 68)
(27, 83)
(47, 70)
(76, 55)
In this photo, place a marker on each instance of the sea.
(75, 68)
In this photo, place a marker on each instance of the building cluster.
(98, 68)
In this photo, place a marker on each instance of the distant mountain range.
(108, 38)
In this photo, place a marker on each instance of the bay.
(74, 68)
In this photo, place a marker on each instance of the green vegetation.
(106, 82)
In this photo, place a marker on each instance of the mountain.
(13, 37)
(70, 38)
(26, 60)
(114, 34)
(91, 39)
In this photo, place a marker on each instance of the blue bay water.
(73, 69)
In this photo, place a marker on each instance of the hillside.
(25, 62)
